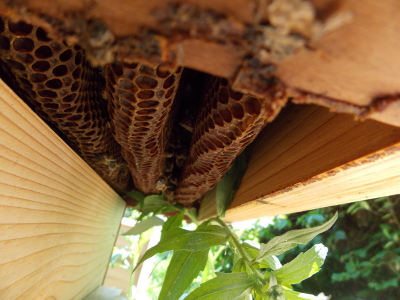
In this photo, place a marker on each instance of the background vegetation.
(363, 262)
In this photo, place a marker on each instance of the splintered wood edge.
(58, 218)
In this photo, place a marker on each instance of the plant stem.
(238, 245)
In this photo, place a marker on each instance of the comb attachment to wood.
(140, 104)
(227, 123)
(57, 82)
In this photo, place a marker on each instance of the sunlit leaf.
(172, 222)
(229, 184)
(290, 239)
(292, 295)
(303, 266)
(175, 239)
(184, 267)
(232, 286)
(144, 226)
(267, 262)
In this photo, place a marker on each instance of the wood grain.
(58, 218)
(303, 156)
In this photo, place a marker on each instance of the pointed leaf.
(225, 286)
(179, 239)
(303, 266)
(239, 266)
(291, 238)
(292, 295)
(229, 184)
(172, 222)
(144, 226)
(267, 262)
(184, 267)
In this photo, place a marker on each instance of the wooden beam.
(310, 158)
(58, 218)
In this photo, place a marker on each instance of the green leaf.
(239, 266)
(292, 295)
(184, 267)
(290, 239)
(267, 262)
(175, 239)
(138, 196)
(144, 226)
(172, 222)
(229, 184)
(303, 266)
(232, 286)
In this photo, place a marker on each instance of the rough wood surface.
(355, 60)
(309, 158)
(58, 219)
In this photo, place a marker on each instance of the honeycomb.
(140, 104)
(227, 123)
(127, 119)
(64, 90)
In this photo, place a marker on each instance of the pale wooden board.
(118, 277)
(58, 218)
(104, 293)
(300, 149)
(372, 176)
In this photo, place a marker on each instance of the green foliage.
(364, 249)
(227, 187)
(257, 271)
(184, 267)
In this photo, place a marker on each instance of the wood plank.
(308, 154)
(58, 218)
(104, 293)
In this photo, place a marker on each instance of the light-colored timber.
(104, 293)
(58, 218)
(310, 158)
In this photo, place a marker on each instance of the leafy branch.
(256, 274)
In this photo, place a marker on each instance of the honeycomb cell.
(41, 66)
(20, 28)
(38, 77)
(43, 52)
(15, 65)
(47, 93)
(146, 82)
(23, 45)
(60, 70)
(54, 84)
(24, 57)
(4, 43)
(41, 35)
(66, 55)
